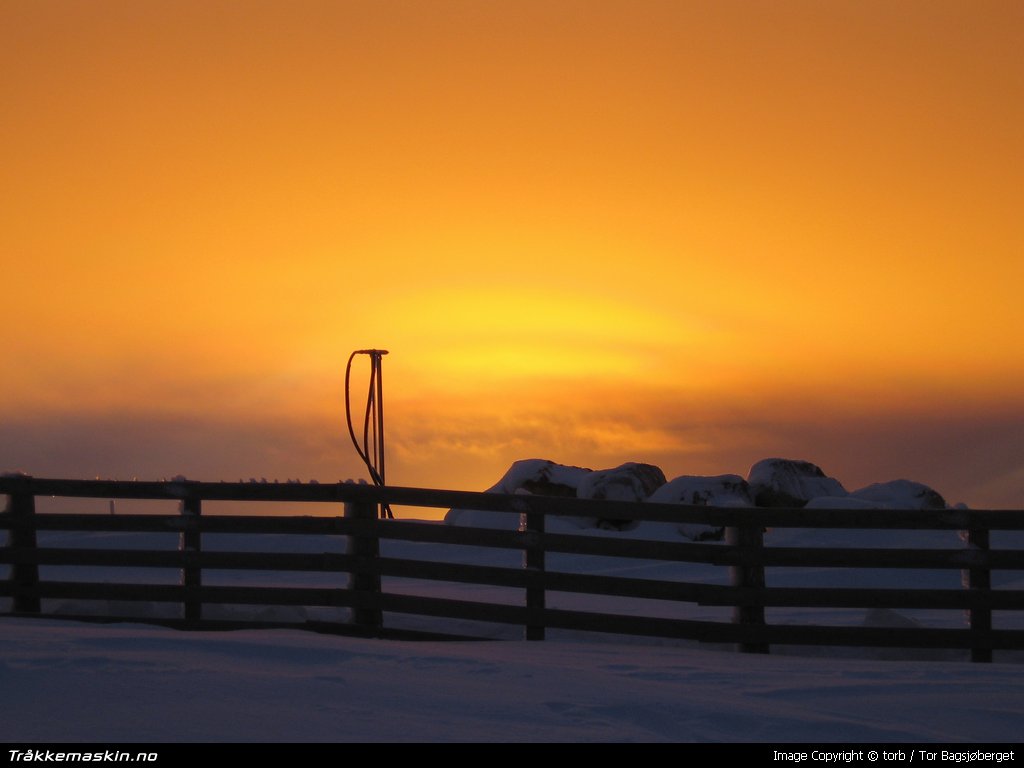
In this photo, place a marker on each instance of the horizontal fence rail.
(360, 579)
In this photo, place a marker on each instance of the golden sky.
(690, 233)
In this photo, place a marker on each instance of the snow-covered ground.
(62, 681)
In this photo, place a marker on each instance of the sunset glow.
(690, 233)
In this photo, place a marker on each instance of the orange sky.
(689, 233)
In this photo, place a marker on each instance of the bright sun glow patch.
(514, 334)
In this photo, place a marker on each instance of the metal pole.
(376, 378)
(373, 418)
(377, 361)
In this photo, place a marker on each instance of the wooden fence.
(360, 566)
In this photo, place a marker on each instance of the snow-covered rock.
(901, 494)
(770, 483)
(626, 482)
(537, 476)
(541, 477)
(790, 483)
(698, 490)
(701, 491)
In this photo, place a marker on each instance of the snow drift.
(772, 482)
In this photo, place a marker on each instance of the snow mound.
(790, 483)
(771, 482)
(541, 477)
(702, 491)
(901, 494)
(537, 476)
(626, 482)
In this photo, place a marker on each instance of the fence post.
(980, 579)
(534, 562)
(368, 618)
(190, 541)
(24, 576)
(750, 576)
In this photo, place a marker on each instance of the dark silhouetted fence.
(360, 566)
